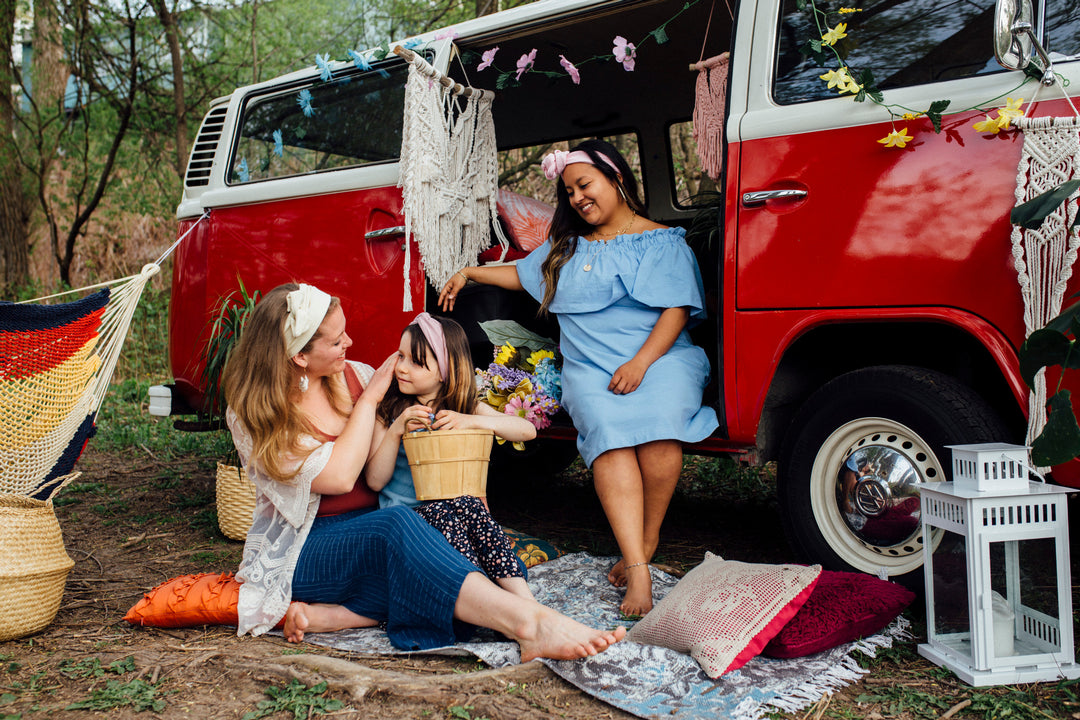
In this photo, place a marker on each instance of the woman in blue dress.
(624, 290)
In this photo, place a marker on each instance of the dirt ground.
(132, 521)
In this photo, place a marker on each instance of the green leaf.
(501, 332)
(660, 35)
(1032, 70)
(1032, 213)
(1066, 318)
(504, 80)
(875, 95)
(1059, 440)
(1043, 348)
(935, 119)
(938, 106)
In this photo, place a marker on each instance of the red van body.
(873, 314)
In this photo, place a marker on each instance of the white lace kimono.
(283, 516)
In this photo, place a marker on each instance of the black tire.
(894, 414)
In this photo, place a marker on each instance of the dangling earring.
(623, 193)
(303, 383)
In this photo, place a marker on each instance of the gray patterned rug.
(644, 680)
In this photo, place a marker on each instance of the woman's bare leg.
(517, 585)
(303, 618)
(621, 489)
(538, 630)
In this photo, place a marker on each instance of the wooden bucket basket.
(449, 463)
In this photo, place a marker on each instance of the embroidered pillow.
(724, 612)
(188, 600)
(531, 550)
(527, 221)
(843, 606)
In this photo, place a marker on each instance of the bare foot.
(555, 636)
(638, 599)
(303, 618)
(617, 576)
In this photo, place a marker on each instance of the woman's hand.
(628, 377)
(448, 294)
(380, 380)
(450, 420)
(412, 418)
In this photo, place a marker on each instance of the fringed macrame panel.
(1044, 258)
(710, 100)
(449, 175)
(56, 362)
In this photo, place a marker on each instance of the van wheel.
(850, 461)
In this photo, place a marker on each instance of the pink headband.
(433, 333)
(555, 162)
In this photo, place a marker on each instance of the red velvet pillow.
(842, 607)
(188, 600)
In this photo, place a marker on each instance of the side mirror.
(1013, 36)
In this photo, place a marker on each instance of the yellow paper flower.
(1012, 108)
(992, 124)
(897, 138)
(539, 355)
(911, 115)
(845, 11)
(834, 34)
(506, 352)
(837, 79)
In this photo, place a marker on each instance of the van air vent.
(202, 154)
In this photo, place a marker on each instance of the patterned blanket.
(644, 680)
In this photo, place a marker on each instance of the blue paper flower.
(242, 172)
(359, 60)
(304, 101)
(412, 44)
(279, 145)
(323, 63)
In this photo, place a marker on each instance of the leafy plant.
(301, 701)
(137, 693)
(232, 314)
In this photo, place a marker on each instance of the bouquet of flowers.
(528, 386)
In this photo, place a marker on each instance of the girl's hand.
(412, 418)
(627, 377)
(448, 294)
(380, 380)
(450, 420)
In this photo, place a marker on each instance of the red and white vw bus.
(864, 306)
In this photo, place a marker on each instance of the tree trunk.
(172, 36)
(14, 204)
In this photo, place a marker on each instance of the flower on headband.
(487, 58)
(525, 63)
(624, 52)
(573, 71)
(323, 63)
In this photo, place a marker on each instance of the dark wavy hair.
(567, 226)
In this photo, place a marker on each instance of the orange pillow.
(202, 599)
(527, 220)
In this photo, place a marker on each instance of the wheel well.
(829, 351)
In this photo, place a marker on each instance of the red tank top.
(361, 496)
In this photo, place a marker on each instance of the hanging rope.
(1044, 258)
(449, 172)
(56, 363)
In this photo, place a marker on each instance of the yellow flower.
(1012, 108)
(837, 78)
(496, 400)
(911, 116)
(834, 34)
(897, 138)
(992, 124)
(845, 11)
(506, 352)
(539, 355)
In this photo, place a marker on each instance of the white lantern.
(998, 587)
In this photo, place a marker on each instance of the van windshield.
(351, 120)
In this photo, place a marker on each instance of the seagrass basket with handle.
(449, 463)
(33, 563)
(235, 501)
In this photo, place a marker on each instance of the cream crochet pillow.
(724, 612)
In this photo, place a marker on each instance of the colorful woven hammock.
(56, 362)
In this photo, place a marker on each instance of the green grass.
(301, 701)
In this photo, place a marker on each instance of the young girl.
(435, 385)
(623, 289)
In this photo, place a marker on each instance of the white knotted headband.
(307, 308)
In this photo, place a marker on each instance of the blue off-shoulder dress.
(609, 298)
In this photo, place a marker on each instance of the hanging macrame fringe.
(449, 173)
(710, 98)
(1044, 258)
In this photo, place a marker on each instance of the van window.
(903, 42)
(689, 179)
(353, 119)
(519, 168)
(1063, 28)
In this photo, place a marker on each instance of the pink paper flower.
(569, 67)
(487, 58)
(446, 35)
(525, 63)
(624, 52)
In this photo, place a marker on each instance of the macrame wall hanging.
(710, 105)
(449, 172)
(1044, 258)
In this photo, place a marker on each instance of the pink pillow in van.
(526, 220)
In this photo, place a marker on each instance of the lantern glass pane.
(1023, 576)
(951, 616)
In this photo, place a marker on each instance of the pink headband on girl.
(554, 163)
(433, 333)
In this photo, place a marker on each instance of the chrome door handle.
(759, 196)
(388, 232)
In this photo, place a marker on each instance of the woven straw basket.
(33, 565)
(449, 463)
(235, 501)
